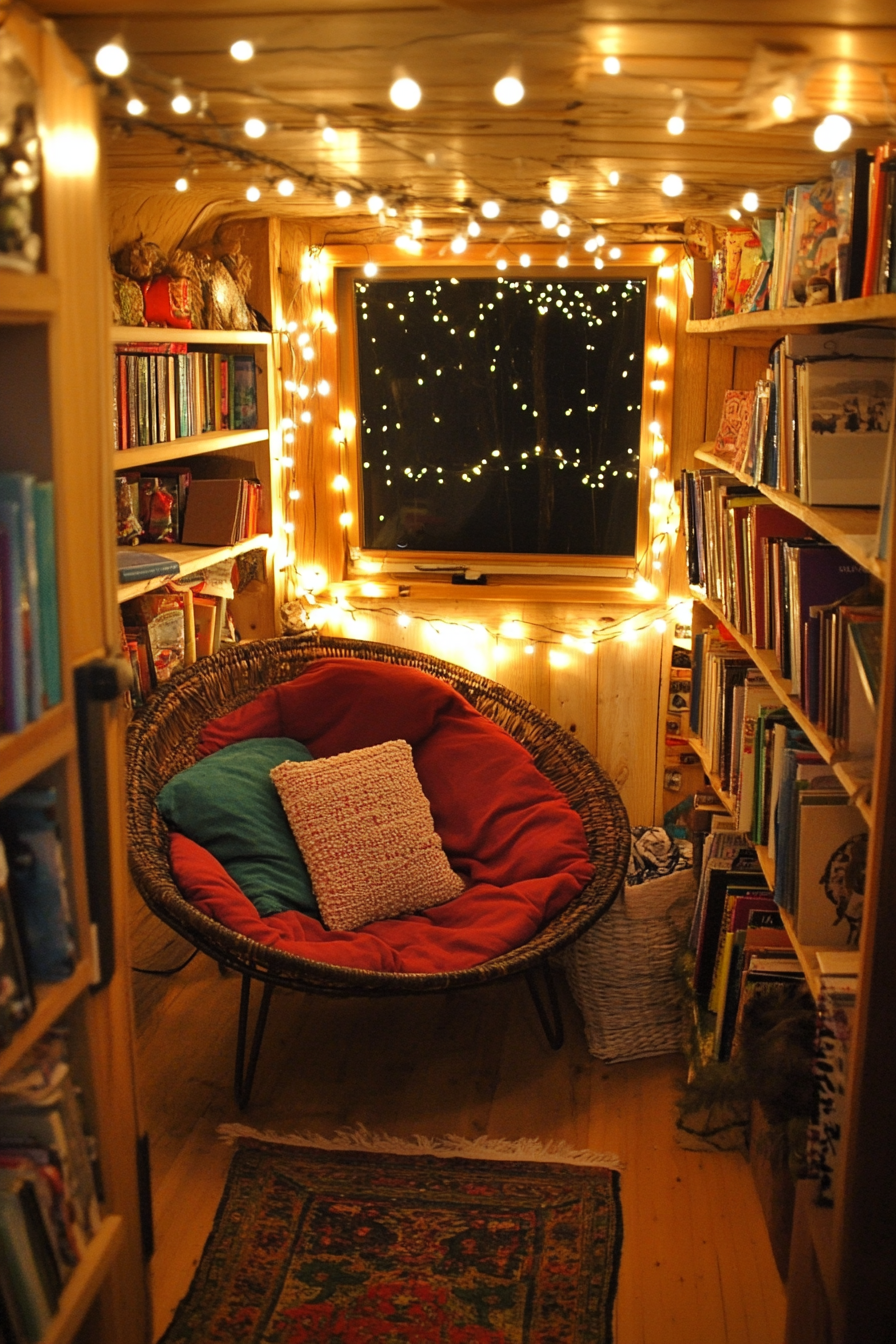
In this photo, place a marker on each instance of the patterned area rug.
(322, 1245)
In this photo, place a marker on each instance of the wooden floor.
(696, 1263)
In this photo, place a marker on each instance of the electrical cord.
(172, 970)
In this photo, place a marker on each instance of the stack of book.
(48, 1199)
(30, 668)
(165, 391)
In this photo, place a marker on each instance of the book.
(48, 598)
(161, 616)
(17, 487)
(135, 565)
(850, 179)
(811, 272)
(833, 1037)
(833, 841)
(37, 882)
(216, 512)
(245, 393)
(849, 411)
(14, 620)
(16, 1002)
(731, 438)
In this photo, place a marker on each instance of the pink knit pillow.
(365, 830)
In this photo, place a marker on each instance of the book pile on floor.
(164, 391)
(30, 675)
(48, 1196)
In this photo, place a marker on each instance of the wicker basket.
(621, 972)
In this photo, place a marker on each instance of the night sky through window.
(501, 415)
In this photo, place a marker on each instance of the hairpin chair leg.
(553, 1024)
(245, 1074)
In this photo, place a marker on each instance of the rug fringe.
(450, 1145)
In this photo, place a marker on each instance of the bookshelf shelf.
(128, 458)
(876, 308)
(191, 335)
(190, 559)
(38, 746)
(81, 1289)
(853, 530)
(27, 298)
(51, 1001)
(807, 956)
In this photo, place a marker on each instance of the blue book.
(136, 564)
(17, 487)
(12, 625)
(48, 605)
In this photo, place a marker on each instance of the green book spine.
(45, 529)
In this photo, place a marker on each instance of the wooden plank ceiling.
(320, 65)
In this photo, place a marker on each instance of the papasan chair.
(234, 692)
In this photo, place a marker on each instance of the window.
(500, 416)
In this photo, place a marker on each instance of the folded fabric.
(228, 804)
(504, 826)
(365, 831)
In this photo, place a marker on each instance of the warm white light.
(612, 65)
(285, 187)
(375, 204)
(136, 107)
(307, 351)
(659, 626)
(750, 201)
(653, 473)
(661, 301)
(491, 209)
(564, 230)
(473, 228)
(370, 589)
(111, 60)
(672, 185)
(292, 325)
(403, 620)
(340, 483)
(613, 178)
(458, 243)
(734, 212)
(346, 519)
(512, 630)
(655, 427)
(501, 264)
(591, 244)
(181, 184)
(405, 93)
(530, 648)
(657, 385)
(550, 219)
(370, 269)
(416, 228)
(253, 194)
(657, 255)
(294, 495)
(782, 106)
(181, 104)
(659, 354)
(599, 263)
(563, 261)
(242, 50)
(615, 253)
(509, 91)
(313, 579)
(323, 388)
(289, 528)
(559, 193)
(675, 125)
(302, 390)
(525, 259)
(666, 272)
(329, 135)
(305, 417)
(288, 461)
(255, 128)
(644, 588)
(831, 133)
(343, 199)
(405, 243)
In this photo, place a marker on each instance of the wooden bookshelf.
(27, 298)
(187, 335)
(38, 746)
(126, 459)
(78, 1294)
(191, 559)
(853, 530)
(51, 1001)
(876, 308)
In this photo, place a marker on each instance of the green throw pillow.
(227, 803)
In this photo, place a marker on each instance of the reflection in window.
(501, 415)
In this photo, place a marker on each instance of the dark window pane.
(501, 415)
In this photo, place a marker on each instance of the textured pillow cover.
(504, 826)
(365, 830)
(228, 804)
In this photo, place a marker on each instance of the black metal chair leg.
(553, 1024)
(242, 1081)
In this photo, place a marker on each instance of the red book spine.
(876, 204)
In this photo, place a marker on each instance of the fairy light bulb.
(303, 390)
(323, 388)
(405, 93)
(346, 519)
(659, 626)
(613, 178)
(831, 133)
(644, 588)
(473, 228)
(340, 483)
(501, 264)
(285, 186)
(490, 209)
(782, 106)
(416, 228)
(612, 65)
(655, 427)
(181, 104)
(403, 620)
(598, 263)
(525, 259)
(615, 253)
(242, 50)
(343, 199)
(136, 107)
(289, 528)
(559, 193)
(253, 194)
(329, 135)
(509, 91)
(307, 351)
(294, 495)
(111, 60)
(254, 128)
(181, 184)
(672, 185)
(750, 201)
(657, 384)
(288, 461)
(675, 124)
(564, 230)
(370, 269)
(563, 261)
(305, 417)
(458, 244)
(659, 354)
(549, 219)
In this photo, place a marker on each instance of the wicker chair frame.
(162, 741)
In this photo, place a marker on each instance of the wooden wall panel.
(720, 376)
(627, 719)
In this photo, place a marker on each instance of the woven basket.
(162, 741)
(621, 972)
